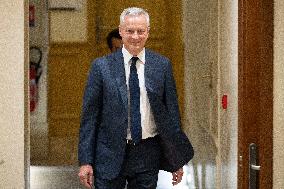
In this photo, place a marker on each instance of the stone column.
(14, 122)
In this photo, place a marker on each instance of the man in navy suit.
(130, 126)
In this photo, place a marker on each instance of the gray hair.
(134, 11)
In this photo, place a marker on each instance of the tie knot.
(134, 60)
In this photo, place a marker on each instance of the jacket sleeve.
(171, 98)
(90, 116)
(177, 148)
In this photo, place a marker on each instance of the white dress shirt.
(149, 128)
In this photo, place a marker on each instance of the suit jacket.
(104, 118)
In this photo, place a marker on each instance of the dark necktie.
(135, 116)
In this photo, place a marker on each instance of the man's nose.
(135, 35)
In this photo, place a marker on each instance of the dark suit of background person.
(104, 128)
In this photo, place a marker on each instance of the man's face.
(134, 32)
(116, 44)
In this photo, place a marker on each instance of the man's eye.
(141, 32)
(130, 31)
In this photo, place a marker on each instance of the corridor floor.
(65, 177)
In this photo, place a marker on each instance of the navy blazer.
(104, 118)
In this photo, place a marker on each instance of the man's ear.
(119, 29)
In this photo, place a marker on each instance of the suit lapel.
(150, 71)
(118, 71)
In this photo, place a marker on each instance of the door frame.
(255, 86)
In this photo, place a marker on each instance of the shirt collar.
(127, 56)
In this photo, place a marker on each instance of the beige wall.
(228, 61)
(210, 72)
(12, 109)
(200, 121)
(278, 130)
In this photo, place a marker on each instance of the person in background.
(130, 122)
(114, 40)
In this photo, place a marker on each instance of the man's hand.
(86, 175)
(177, 176)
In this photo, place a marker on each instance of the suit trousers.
(140, 167)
